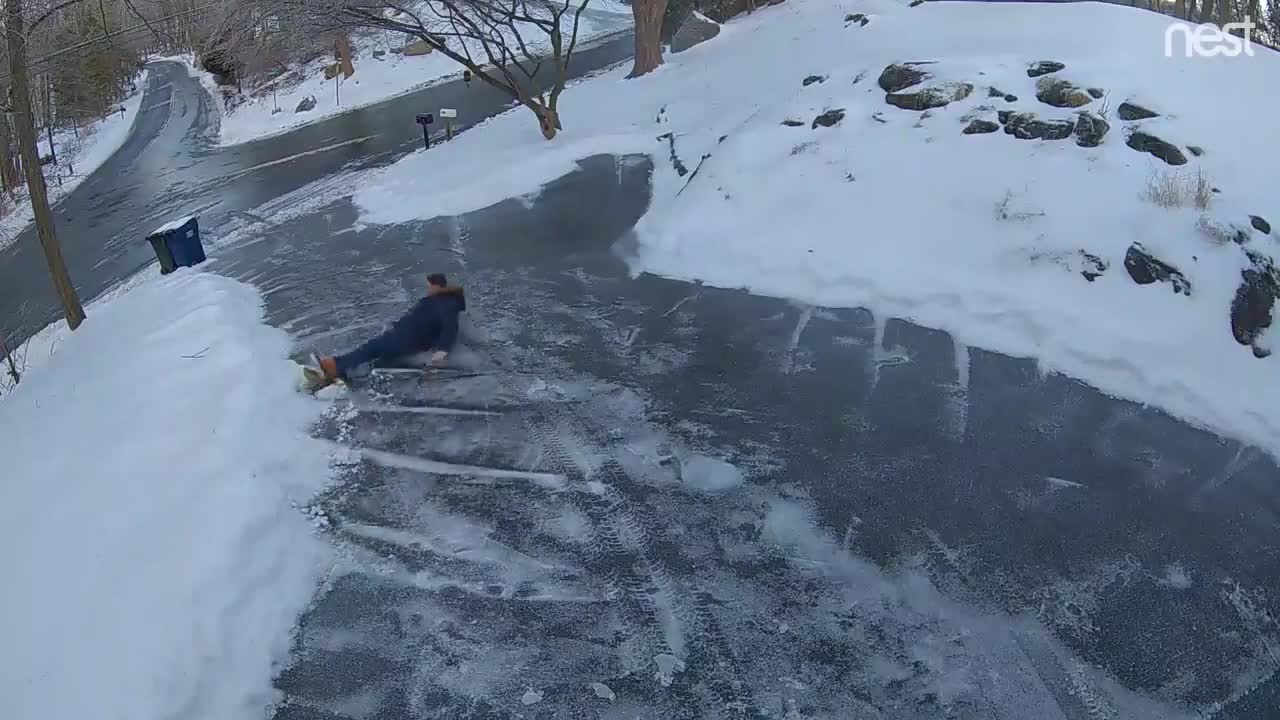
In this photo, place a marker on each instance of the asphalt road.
(169, 168)
(658, 500)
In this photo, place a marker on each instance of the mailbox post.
(449, 115)
(425, 121)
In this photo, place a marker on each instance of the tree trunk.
(8, 163)
(1180, 9)
(648, 18)
(26, 131)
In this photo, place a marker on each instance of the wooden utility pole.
(20, 94)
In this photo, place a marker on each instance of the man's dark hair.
(438, 279)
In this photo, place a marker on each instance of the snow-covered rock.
(697, 29)
(1163, 149)
(1146, 269)
(1133, 111)
(1055, 91)
(928, 98)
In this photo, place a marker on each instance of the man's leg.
(385, 345)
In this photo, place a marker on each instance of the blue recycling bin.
(177, 244)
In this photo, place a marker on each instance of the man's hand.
(439, 357)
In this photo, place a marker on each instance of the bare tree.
(20, 96)
(507, 44)
(648, 16)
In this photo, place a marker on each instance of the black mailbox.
(425, 119)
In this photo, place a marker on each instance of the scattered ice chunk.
(603, 691)
(1177, 577)
(709, 474)
(668, 666)
(531, 697)
(1057, 482)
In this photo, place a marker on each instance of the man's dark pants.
(388, 345)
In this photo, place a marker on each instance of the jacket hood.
(454, 291)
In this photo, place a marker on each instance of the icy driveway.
(922, 530)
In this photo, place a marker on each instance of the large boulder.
(1260, 224)
(830, 118)
(722, 10)
(697, 29)
(981, 127)
(931, 97)
(1251, 309)
(1044, 67)
(1146, 269)
(1026, 126)
(896, 77)
(1060, 93)
(307, 104)
(996, 92)
(1129, 111)
(1090, 129)
(1148, 143)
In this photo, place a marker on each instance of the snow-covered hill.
(384, 70)
(785, 165)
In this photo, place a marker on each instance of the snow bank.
(377, 78)
(983, 236)
(154, 563)
(95, 145)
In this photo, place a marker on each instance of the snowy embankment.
(155, 560)
(820, 185)
(80, 153)
(383, 71)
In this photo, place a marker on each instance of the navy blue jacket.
(432, 322)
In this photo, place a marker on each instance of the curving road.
(659, 500)
(169, 167)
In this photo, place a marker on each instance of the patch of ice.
(602, 691)
(1177, 577)
(709, 474)
(668, 666)
(531, 697)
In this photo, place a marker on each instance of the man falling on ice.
(430, 325)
